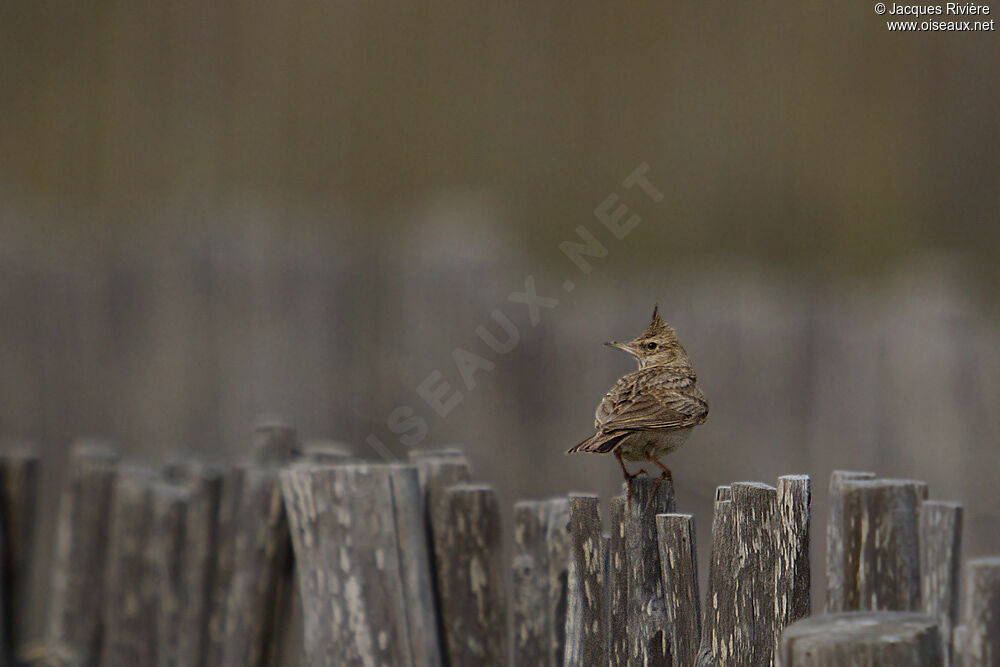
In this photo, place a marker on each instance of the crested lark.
(649, 412)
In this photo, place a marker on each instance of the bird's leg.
(628, 476)
(666, 471)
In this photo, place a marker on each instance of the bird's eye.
(650, 346)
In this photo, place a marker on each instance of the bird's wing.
(652, 398)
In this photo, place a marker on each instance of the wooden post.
(184, 517)
(940, 566)
(885, 639)
(530, 584)
(617, 606)
(679, 570)
(648, 643)
(19, 488)
(167, 538)
(130, 611)
(467, 539)
(76, 598)
(753, 627)
(835, 539)
(586, 634)
(438, 470)
(415, 565)
(230, 492)
(329, 452)
(792, 574)
(258, 562)
(354, 594)
(980, 643)
(274, 441)
(443, 467)
(716, 637)
(881, 545)
(558, 540)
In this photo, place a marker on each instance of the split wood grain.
(679, 569)
(259, 560)
(416, 573)
(131, 589)
(617, 606)
(753, 626)
(185, 512)
(540, 581)
(979, 644)
(648, 643)
(467, 537)
(82, 531)
(835, 539)
(274, 442)
(437, 470)
(716, 640)
(940, 566)
(881, 544)
(344, 527)
(792, 574)
(875, 639)
(558, 538)
(586, 633)
(19, 469)
(228, 509)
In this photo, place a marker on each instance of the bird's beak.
(620, 346)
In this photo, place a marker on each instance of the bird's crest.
(657, 325)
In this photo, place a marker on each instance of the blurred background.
(213, 210)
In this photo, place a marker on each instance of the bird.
(651, 411)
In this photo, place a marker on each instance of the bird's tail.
(599, 443)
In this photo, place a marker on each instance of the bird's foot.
(665, 475)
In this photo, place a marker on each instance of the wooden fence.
(401, 564)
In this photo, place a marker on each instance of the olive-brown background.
(213, 210)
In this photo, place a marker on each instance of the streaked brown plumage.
(649, 412)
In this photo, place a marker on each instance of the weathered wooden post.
(275, 442)
(363, 564)
(882, 639)
(77, 595)
(586, 633)
(617, 604)
(467, 548)
(329, 452)
(185, 511)
(978, 643)
(881, 545)
(679, 569)
(792, 574)
(755, 508)
(835, 538)
(258, 562)
(230, 492)
(558, 539)
(130, 610)
(437, 470)
(260, 585)
(940, 566)
(530, 584)
(18, 495)
(539, 581)
(716, 638)
(648, 643)
(415, 564)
